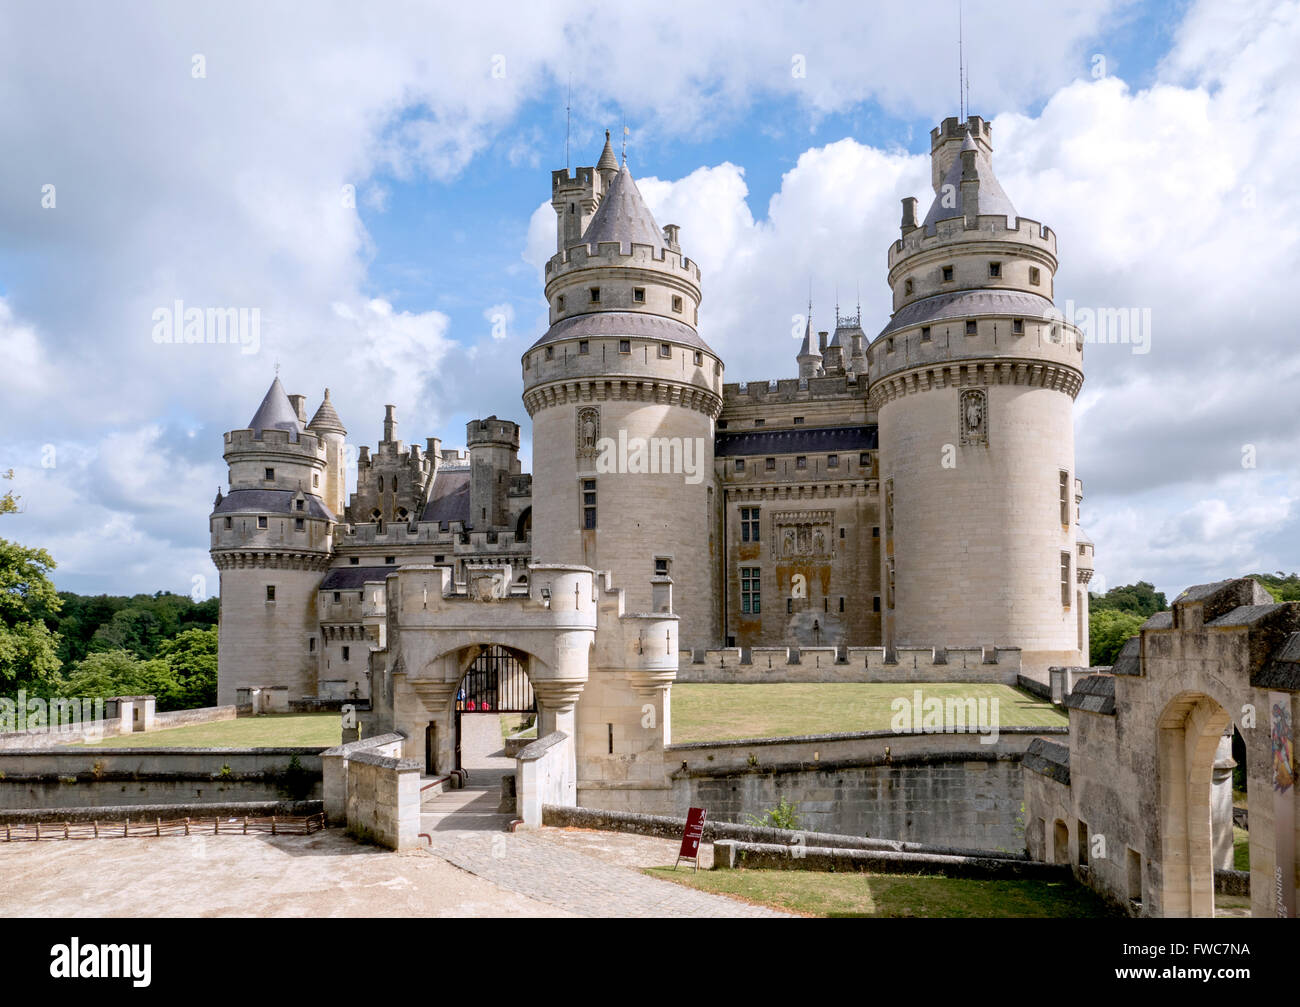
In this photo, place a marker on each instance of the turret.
(620, 367)
(810, 360)
(271, 537)
(973, 380)
(493, 458)
(329, 428)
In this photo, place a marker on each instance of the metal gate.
(496, 682)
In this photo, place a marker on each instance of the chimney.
(970, 188)
(909, 214)
(670, 235)
(390, 423)
(821, 342)
(299, 403)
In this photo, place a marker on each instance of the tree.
(8, 502)
(28, 650)
(118, 673)
(1141, 599)
(1107, 631)
(192, 656)
(1282, 586)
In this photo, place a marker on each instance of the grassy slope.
(271, 731)
(718, 712)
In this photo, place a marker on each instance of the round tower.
(493, 446)
(271, 541)
(329, 428)
(973, 380)
(623, 395)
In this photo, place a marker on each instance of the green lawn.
(1240, 849)
(268, 731)
(706, 712)
(888, 895)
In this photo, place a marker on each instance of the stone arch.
(524, 526)
(1188, 732)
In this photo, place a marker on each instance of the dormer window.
(947, 274)
(638, 295)
(299, 504)
(995, 270)
(595, 295)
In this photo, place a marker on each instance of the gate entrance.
(496, 683)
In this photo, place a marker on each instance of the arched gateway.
(600, 678)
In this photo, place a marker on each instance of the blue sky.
(1157, 139)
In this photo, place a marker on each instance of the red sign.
(693, 834)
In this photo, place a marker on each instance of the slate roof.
(271, 502)
(800, 440)
(623, 217)
(961, 304)
(1048, 759)
(607, 159)
(353, 578)
(638, 324)
(1094, 694)
(1282, 669)
(1246, 615)
(450, 499)
(992, 198)
(1129, 661)
(1159, 620)
(276, 412)
(1199, 592)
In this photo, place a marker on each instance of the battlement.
(581, 178)
(789, 390)
(492, 431)
(307, 447)
(991, 227)
(611, 254)
(953, 128)
(862, 664)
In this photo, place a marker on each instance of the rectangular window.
(789, 606)
(749, 592)
(1065, 498)
(311, 644)
(550, 353)
(1017, 326)
(261, 521)
(583, 347)
(970, 327)
(699, 358)
(230, 522)
(677, 304)
(588, 503)
(907, 287)
(925, 333)
(299, 504)
(947, 274)
(995, 270)
(390, 560)
(661, 566)
(769, 465)
(625, 346)
(864, 459)
(270, 474)
(875, 603)
(270, 592)
(638, 295)
(299, 524)
(740, 465)
(801, 462)
(338, 597)
(315, 480)
(355, 560)
(798, 421)
(559, 303)
(1033, 275)
(841, 533)
(1065, 580)
(347, 653)
(832, 461)
(760, 422)
(595, 295)
(749, 524)
(875, 531)
(841, 604)
(665, 350)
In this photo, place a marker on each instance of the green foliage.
(28, 649)
(1140, 599)
(192, 657)
(1283, 587)
(1107, 631)
(295, 782)
(139, 624)
(784, 816)
(8, 501)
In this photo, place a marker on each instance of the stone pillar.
(1221, 802)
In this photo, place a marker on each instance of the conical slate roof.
(993, 200)
(623, 216)
(276, 412)
(809, 348)
(326, 419)
(607, 162)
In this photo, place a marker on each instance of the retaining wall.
(850, 664)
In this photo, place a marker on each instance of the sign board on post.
(691, 837)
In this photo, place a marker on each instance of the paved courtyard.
(467, 871)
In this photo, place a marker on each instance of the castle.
(915, 490)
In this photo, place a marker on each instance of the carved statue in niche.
(789, 539)
(819, 542)
(973, 416)
(588, 431)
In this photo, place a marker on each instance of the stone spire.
(607, 165)
(809, 358)
(969, 183)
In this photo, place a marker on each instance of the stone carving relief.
(803, 534)
(974, 416)
(588, 431)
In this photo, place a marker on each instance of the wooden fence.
(19, 832)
